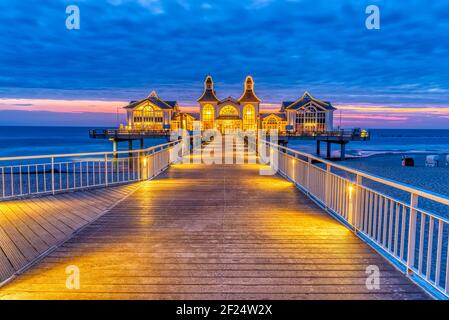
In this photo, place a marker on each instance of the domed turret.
(249, 95)
(209, 92)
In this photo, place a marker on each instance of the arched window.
(271, 123)
(310, 119)
(208, 117)
(229, 111)
(249, 118)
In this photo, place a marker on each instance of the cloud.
(125, 48)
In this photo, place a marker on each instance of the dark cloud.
(132, 46)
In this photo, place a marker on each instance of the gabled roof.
(229, 99)
(209, 91)
(208, 96)
(280, 115)
(194, 115)
(155, 100)
(305, 99)
(248, 94)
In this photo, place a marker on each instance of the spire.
(307, 96)
(153, 94)
(209, 91)
(248, 94)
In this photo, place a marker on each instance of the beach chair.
(432, 161)
(408, 161)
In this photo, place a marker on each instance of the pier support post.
(328, 150)
(343, 151)
(115, 161)
(130, 154)
(318, 145)
(142, 144)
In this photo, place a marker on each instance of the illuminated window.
(229, 111)
(208, 117)
(249, 118)
(271, 123)
(310, 119)
(148, 118)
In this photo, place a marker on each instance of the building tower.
(250, 103)
(208, 102)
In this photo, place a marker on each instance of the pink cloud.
(62, 105)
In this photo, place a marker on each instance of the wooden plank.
(48, 214)
(28, 227)
(54, 234)
(16, 237)
(31, 227)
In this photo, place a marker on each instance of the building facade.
(307, 115)
(229, 113)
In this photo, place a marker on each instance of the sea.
(34, 141)
(388, 141)
(27, 141)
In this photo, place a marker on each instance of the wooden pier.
(194, 232)
(338, 137)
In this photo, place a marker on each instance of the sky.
(393, 77)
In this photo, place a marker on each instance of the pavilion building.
(307, 115)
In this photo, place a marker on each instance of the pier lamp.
(350, 190)
(293, 169)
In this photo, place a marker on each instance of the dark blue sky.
(125, 48)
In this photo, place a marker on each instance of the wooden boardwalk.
(213, 232)
(32, 227)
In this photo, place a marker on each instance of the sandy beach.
(433, 179)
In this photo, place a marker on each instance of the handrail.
(402, 186)
(412, 238)
(71, 155)
(67, 172)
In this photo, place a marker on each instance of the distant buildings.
(304, 116)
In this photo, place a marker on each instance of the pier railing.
(51, 174)
(409, 226)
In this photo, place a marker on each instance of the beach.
(435, 179)
(382, 156)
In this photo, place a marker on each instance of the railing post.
(53, 175)
(309, 163)
(139, 173)
(356, 203)
(106, 179)
(412, 233)
(327, 187)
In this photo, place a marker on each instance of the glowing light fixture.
(350, 190)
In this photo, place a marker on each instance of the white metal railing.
(414, 238)
(51, 174)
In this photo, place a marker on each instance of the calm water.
(389, 141)
(24, 141)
